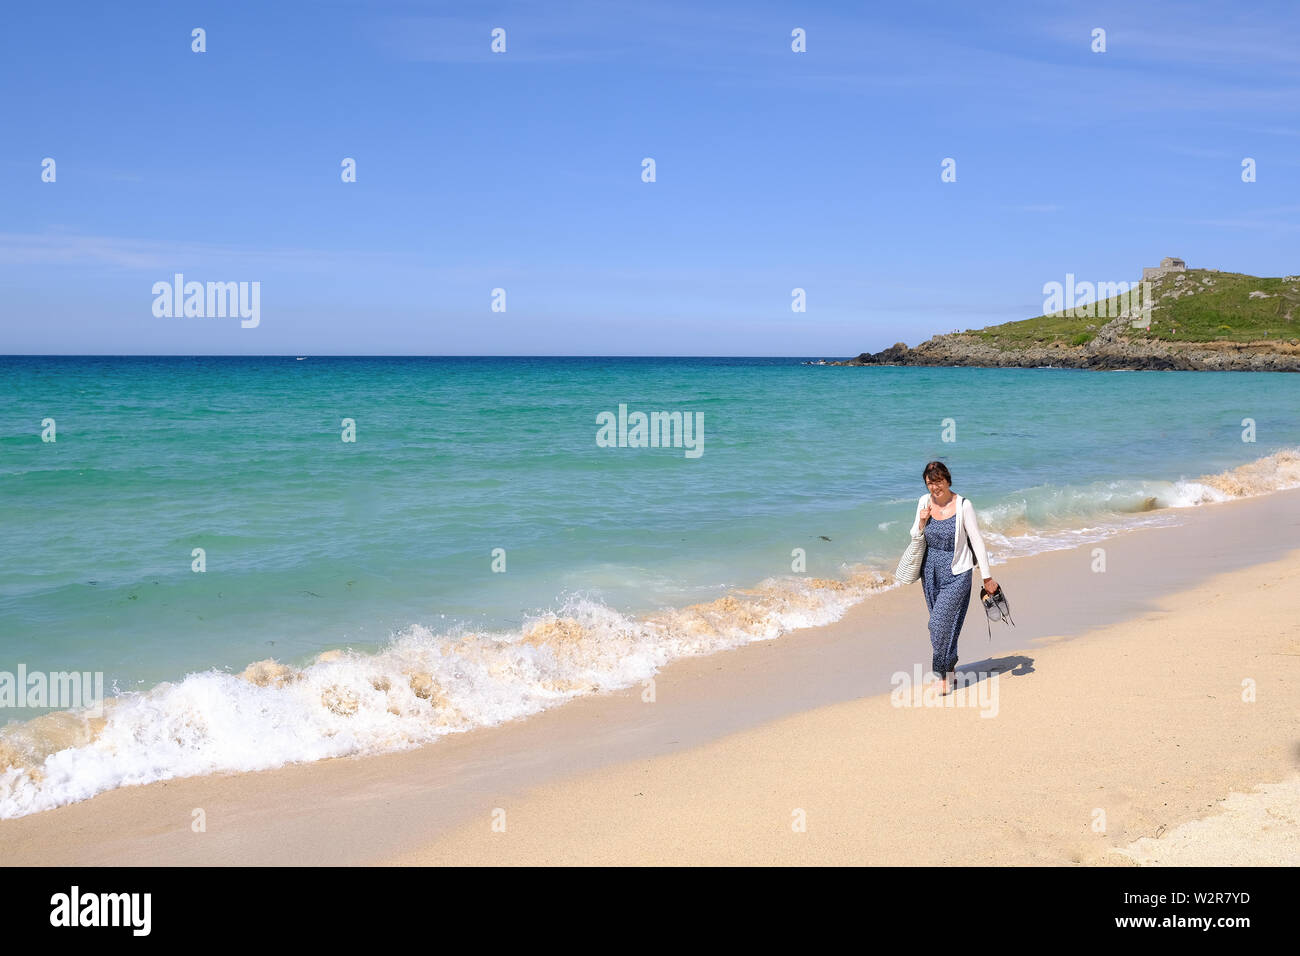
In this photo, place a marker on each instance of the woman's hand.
(990, 586)
(925, 516)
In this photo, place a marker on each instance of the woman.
(947, 520)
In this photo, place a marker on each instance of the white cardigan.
(966, 524)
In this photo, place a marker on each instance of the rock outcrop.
(966, 349)
(1116, 344)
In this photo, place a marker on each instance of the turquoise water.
(313, 543)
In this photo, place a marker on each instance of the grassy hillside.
(1192, 306)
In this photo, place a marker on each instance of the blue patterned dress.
(947, 595)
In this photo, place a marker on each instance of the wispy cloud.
(65, 246)
(1197, 152)
(1284, 218)
(591, 31)
(68, 247)
(1209, 33)
(1276, 131)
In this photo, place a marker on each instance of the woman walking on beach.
(947, 520)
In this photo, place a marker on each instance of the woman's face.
(938, 487)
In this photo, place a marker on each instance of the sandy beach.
(1097, 752)
(1129, 718)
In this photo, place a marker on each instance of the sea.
(270, 560)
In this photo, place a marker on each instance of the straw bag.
(909, 566)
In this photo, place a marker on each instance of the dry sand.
(1094, 743)
(1120, 716)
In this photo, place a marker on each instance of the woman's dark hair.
(936, 469)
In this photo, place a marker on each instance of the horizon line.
(294, 355)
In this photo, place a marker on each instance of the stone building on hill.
(1167, 265)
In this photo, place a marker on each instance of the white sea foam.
(421, 686)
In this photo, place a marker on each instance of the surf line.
(654, 430)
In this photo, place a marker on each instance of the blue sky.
(522, 170)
